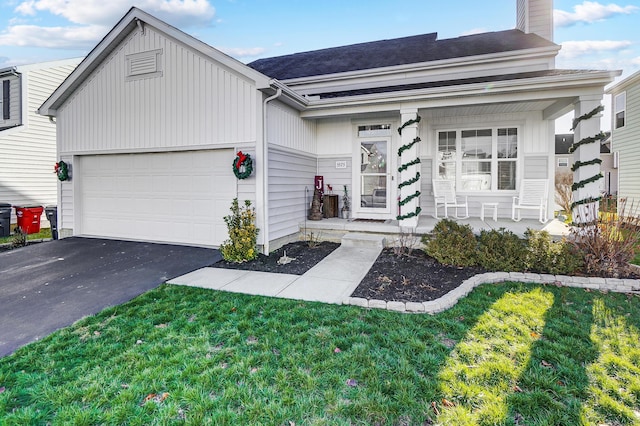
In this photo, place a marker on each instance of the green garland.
(410, 181)
(599, 137)
(404, 167)
(410, 214)
(403, 148)
(579, 164)
(583, 183)
(587, 200)
(586, 116)
(408, 123)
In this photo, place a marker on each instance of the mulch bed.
(306, 258)
(410, 278)
(413, 278)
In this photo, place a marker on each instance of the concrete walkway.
(332, 280)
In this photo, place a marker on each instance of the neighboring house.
(27, 139)
(625, 135)
(608, 168)
(152, 119)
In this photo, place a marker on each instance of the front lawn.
(509, 354)
(45, 233)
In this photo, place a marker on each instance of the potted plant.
(346, 204)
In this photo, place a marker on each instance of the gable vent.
(144, 65)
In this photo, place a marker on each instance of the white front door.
(374, 178)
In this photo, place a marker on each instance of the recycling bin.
(5, 219)
(29, 218)
(52, 217)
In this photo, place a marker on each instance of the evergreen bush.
(501, 250)
(451, 244)
(243, 233)
(549, 257)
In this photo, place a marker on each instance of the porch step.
(359, 239)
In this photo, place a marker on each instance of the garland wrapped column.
(409, 166)
(586, 166)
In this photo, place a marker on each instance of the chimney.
(535, 16)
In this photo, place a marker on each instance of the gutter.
(265, 166)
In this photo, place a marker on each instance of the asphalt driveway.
(47, 286)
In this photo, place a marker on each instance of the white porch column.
(408, 136)
(586, 128)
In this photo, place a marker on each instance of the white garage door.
(177, 197)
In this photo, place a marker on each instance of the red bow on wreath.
(241, 159)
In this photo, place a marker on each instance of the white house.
(625, 134)
(27, 139)
(152, 119)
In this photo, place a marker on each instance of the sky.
(598, 34)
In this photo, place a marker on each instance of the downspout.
(265, 167)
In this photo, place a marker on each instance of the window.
(6, 98)
(620, 104)
(480, 159)
(563, 162)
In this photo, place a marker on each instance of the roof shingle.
(399, 51)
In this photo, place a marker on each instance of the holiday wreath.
(242, 165)
(62, 170)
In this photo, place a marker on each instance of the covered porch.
(333, 229)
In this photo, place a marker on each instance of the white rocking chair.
(444, 194)
(533, 196)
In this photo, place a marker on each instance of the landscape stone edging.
(616, 285)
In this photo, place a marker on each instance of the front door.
(375, 178)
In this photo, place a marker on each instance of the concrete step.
(358, 239)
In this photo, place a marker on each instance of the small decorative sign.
(341, 164)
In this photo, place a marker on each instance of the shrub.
(607, 241)
(548, 257)
(501, 250)
(243, 233)
(451, 244)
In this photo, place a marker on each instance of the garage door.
(178, 197)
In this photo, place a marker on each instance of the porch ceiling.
(502, 108)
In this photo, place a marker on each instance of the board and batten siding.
(626, 140)
(291, 177)
(195, 103)
(28, 152)
(286, 129)
(337, 177)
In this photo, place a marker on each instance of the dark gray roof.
(399, 51)
(448, 83)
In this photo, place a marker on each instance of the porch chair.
(444, 194)
(533, 196)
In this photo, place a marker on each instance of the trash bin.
(29, 218)
(52, 217)
(5, 219)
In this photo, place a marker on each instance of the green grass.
(510, 354)
(43, 234)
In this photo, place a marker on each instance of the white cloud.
(474, 31)
(573, 49)
(239, 52)
(589, 11)
(52, 37)
(93, 19)
(100, 12)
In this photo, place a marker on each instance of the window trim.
(623, 110)
(494, 160)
